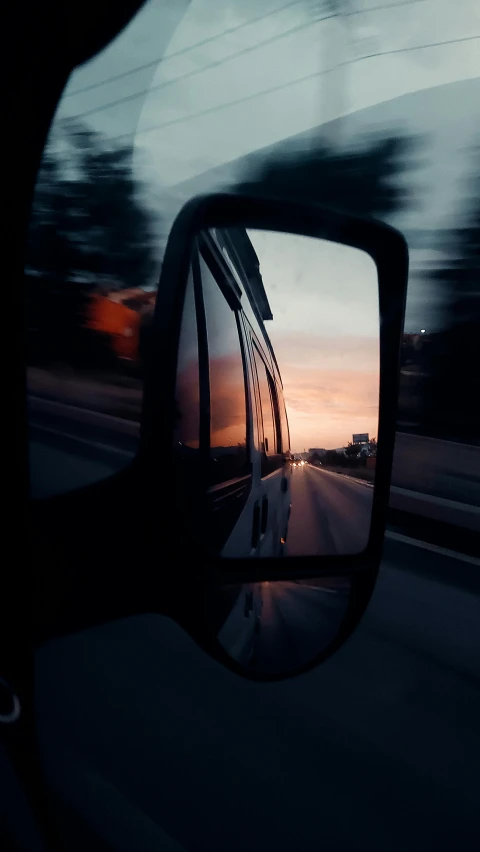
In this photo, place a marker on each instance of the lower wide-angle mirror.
(278, 628)
(277, 392)
(286, 326)
(254, 505)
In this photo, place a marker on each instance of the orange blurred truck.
(119, 315)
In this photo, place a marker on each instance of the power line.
(379, 8)
(412, 47)
(189, 74)
(282, 86)
(183, 51)
(229, 31)
(215, 64)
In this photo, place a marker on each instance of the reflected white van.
(231, 419)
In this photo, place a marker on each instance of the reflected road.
(287, 624)
(330, 513)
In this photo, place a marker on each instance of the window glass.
(90, 267)
(187, 473)
(269, 431)
(285, 429)
(187, 424)
(276, 414)
(228, 410)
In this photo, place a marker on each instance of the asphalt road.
(379, 748)
(444, 469)
(331, 513)
(71, 447)
(56, 471)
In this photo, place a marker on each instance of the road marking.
(104, 447)
(425, 545)
(360, 481)
(439, 501)
(345, 476)
(132, 427)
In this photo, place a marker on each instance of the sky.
(183, 86)
(295, 44)
(325, 335)
(195, 87)
(311, 67)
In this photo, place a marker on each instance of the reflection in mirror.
(278, 377)
(276, 628)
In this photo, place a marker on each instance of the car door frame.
(224, 497)
(268, 477)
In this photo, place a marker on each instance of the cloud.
(349, 353)
(331, 389)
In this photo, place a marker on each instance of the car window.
(265, 382)
(276, 413)
(89, 304)
(284, 428)
(119, 163)
(227, 390)
(368, 105)
(187, 422)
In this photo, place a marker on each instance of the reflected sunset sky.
(325, 333)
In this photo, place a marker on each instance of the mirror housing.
(265, 619)
(387, 248)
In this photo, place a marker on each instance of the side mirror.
(276, 338)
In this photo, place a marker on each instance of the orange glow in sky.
(325, 333)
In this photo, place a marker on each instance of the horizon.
(328, 355)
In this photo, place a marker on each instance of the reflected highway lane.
(297, 623)
(330, 513)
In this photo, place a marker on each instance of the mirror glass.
(276, 628)
(277, 393)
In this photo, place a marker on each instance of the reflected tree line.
(92, 256)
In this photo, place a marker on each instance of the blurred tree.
(89, 230)
(362, 181)
(333, 459)
(114, 227)
(452, 409)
